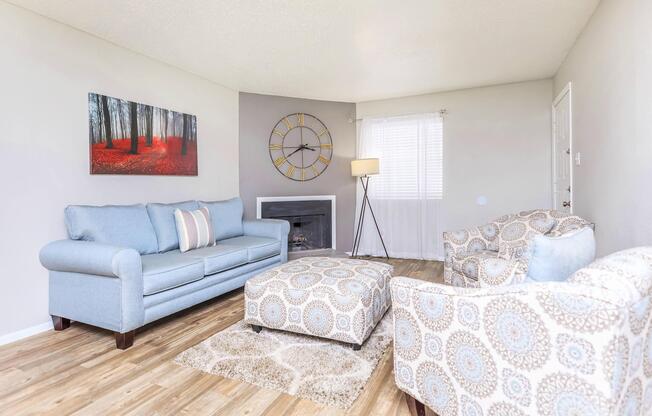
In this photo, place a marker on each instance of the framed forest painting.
(128, 138)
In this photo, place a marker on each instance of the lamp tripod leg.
(365, 185)
(358, 234)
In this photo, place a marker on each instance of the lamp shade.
(363, 167)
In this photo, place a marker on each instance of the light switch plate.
(578, 159)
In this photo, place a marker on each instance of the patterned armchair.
(494, 254)
(580, 347)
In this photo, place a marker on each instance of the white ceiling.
(344, 50)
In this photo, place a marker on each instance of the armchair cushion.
(116, 225)
(226, 217)
(468, 262)
(487, 268)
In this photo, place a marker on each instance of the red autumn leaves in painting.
(136, 139)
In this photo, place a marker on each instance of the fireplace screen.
(310, 222)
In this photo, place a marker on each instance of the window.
(407, 194)
(410, 149)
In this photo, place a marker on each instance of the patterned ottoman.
(340, 299)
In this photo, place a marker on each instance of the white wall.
(46, 71)
(610, 67)
(496, 144)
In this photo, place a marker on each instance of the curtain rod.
(441, 112)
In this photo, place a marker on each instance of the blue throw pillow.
(556, 258)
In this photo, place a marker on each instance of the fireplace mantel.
(261, 199)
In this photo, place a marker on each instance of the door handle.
(566, 204)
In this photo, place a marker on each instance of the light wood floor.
(79, 370)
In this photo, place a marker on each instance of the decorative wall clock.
(300, 147)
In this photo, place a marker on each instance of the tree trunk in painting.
(149, 120)
(107, 122)
(133, 117)
(186, 128)
(164, 129)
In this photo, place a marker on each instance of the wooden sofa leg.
(60, 323)
(356, 347)
(417, 408)
(256, 328)
(124, 341)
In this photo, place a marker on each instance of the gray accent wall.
(258, 176)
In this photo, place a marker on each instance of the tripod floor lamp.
(363, 169)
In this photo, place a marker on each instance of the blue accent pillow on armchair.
(556, 258)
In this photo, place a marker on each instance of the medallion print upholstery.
(563, 394)
(471, 363)
(436, 389)
(339, 299)
(495, 254)
(631, 403)
(579, 347)
(504, 409)
(517, 333)
(576, 354)
(516, 387)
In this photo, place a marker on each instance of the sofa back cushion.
(162, 217)
(226, 217)
(556, 258)
(117, 225)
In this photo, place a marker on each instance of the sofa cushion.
(162, 217)
(220, 257)
(164, 271)
(226, 217)
(258, 248)
(117, 225)
(556, 258)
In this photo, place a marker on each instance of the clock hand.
(300, 148)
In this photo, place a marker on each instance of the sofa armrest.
(483, 237)
(90, 258)
(267, 228)
(278, 229)
(498, 271)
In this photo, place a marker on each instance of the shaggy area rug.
(324, 371)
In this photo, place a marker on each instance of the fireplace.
(312, 219)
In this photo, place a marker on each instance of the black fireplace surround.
(310, 222)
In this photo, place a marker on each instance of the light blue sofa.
(121, 268)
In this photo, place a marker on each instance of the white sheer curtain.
(406, 196)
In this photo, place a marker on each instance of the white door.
(562, 151)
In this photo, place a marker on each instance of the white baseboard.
(24, 333)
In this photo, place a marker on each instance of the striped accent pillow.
(194, 229)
